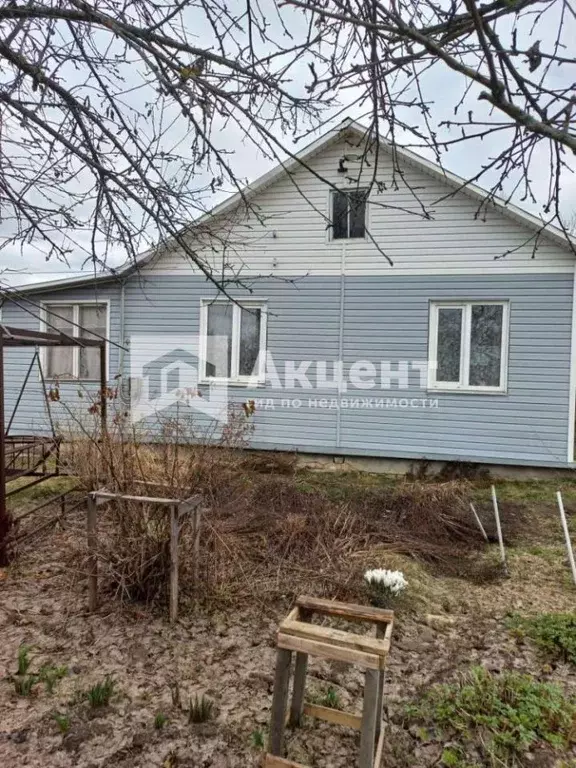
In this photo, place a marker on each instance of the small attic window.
(348, 214)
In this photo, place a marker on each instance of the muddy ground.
(444, 626)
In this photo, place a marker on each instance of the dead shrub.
(265, 534)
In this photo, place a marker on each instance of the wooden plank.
(196, 523)
(191, 503)
(98, 501)
(327, 651)
(294, 614)
(174, 536)
(333, 716)
(369, 714)
(381, 630)
(279, 701)
(388, 632)
(299, 687)
(128, 497)
(92, 545)
(379, 646)
(380, 747)
(272, 761)
(348, 611)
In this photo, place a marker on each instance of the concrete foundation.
(422, 468)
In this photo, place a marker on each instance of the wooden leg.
(196, 540)
(174, 534)
(300, 669)
(369, 713)
(380, 631)
(92, 543)
(279, 701)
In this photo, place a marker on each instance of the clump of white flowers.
(384, 586)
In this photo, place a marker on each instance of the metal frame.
(36, 448)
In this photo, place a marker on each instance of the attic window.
(348, 214)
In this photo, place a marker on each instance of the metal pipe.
(499, 531)
(566, 535)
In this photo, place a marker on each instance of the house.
(418, 322)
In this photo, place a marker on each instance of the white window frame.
(462, 385)
(237, 305)
(44, 326)
(330, 229)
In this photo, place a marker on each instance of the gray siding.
(389, 318)
(384, 318)
(288, 235)
(32, 415)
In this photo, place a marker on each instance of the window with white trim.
(348, 214)
(75, 362)
(233, 340)
(469, 346)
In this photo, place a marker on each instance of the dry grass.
(265, 533)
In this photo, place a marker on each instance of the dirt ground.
(444, 626)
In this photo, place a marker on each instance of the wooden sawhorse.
(297, 634)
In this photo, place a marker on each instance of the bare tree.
(112, 113)
(435, 75)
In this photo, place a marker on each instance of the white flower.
(393, 581)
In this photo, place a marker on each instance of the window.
(348, 214)
(469, 346)
(75, 362)
(233, 340)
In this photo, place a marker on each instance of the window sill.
(74, 380)
(467, 391)
(233, 383)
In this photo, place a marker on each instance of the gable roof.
(300, 159)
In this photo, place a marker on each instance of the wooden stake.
(196, 546)
(369, 715)
(380, 633)
(566, 535)
(279, 701)
(478, 521)
(499, 531)
(174, 534)
(92, 544)
(297, 705)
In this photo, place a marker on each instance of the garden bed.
(446, 624)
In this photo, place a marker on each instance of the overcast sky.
(247, 163)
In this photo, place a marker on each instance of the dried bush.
(175, 458)
(265, 533)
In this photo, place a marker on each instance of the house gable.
(415, 220)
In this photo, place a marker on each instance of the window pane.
(339, 215)
(92, 319)
(249, 341)
(357, 213)
(219, 340)
(449, 343)
(486, 345)
(60, 360)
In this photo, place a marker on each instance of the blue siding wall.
(388, 317)
(31, 415)
(384, 318)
